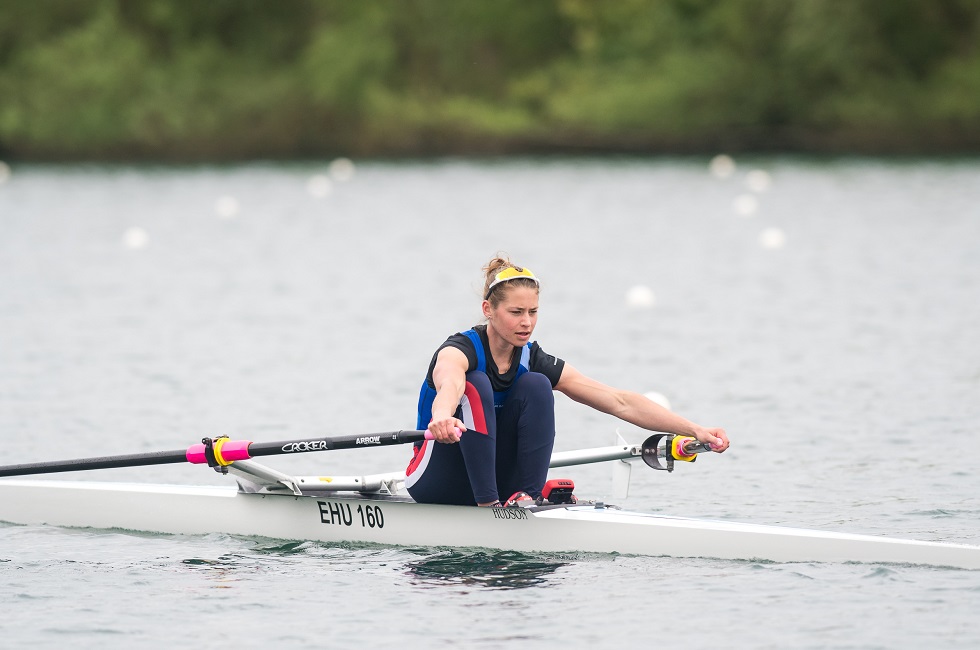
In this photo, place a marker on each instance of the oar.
(219, 452)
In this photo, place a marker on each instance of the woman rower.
(495, 383)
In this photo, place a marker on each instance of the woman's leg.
(460, 474)
(525, 436)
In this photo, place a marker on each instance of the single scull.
(369, 509)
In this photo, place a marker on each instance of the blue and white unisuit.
(500, 454)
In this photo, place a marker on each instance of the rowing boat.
(370, 509)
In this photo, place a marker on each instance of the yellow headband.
(511, 273)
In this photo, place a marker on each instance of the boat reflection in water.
(485, 568)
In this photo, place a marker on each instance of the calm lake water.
(827, 313)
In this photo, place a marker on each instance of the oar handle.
(691, 447)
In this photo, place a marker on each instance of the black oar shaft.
(353, 441)
(243, 450)
(99, 462)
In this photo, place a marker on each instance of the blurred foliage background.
(176, 80)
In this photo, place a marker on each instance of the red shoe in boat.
(520, 500)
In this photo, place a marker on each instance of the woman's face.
(514, 317)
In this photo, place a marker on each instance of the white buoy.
(745, 205)
(226, 207)
(342, 170)
(4, 172)
(640, 297)
(772, 238)
(722, 166)
(658, 398)
(319, 186)
(758, 180)
(135, 238)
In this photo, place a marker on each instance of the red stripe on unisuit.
(416, 458)
(476, 407)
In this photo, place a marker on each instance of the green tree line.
(175, 80)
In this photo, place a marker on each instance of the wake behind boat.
(266, 502)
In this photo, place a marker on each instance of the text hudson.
(509, 513)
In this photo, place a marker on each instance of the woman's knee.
(480, 382)
(535, 386)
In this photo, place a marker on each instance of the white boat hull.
(398, 521)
